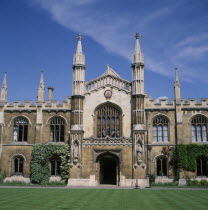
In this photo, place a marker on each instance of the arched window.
(55, 167)
(57, 129)
(160, 129)
(201, 163)
(162, 166)
(108, 121)
(18, 165)
(20, 132)
(199, 129)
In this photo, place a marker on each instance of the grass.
(173, 185)
(18, 183)
(102, 199)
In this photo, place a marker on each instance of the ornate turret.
(41, 88)
(4, 88)
(78, 91)
(79, 57)
(78, 70)
(137, 55)
(138, 86)
(138, 129)
(138, 69)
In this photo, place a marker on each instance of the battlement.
(30, 105)
(185, 104)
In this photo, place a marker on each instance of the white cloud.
(161, 98)
(114, 31)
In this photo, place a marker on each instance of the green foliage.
(41, 155)
(181, 156)
(15, 183)
(203, 183)
(168, 184)
(2, 176)
(184, 156)
(151, 179)
(56, 184)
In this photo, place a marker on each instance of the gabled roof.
(109, 78)
(111, 72)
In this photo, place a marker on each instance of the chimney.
(50, 93)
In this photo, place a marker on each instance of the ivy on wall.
(41, 155)
(184, 156)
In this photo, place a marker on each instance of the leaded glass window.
(199, 129)
(108, 122)
(55, 167)
(20, 132)
(18, 165)
(160, 129)
(202, 166)
(57, 129)
(162, 166)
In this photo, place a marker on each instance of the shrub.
(2, 176)
(151, 179)
(204, 182)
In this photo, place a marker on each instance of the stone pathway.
(102, 187)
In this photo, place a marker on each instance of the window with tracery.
(18, 165)
(160, 129)
(162, 166)
(57, 129)
(20, 132)
(108, 122)
(201, 163)
(55, 167)
(199, 129)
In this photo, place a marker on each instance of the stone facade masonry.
(132, 155)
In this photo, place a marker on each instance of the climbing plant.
(41, 155)
(184, 156)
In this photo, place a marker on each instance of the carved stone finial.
(137, 36)
(79, 37)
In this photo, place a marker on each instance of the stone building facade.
(117, 133)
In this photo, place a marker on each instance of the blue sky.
(40, 35)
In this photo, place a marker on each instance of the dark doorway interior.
(108, 168)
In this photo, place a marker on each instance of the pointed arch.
(108, 120)
(199, 128)
(161, 127)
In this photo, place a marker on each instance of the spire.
(79, 57)
(4, 88)
(177, 82)
(41, 88)
(137, 55)
(177, 85)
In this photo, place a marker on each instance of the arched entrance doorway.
(109, 169)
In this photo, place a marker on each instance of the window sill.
(54, 142)
(199, 142)
(160, 143)
(19, 143)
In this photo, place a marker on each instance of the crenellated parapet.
(166, 104)
(30, 106)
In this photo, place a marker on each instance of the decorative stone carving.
(107, 141)
(100, 152)
(139, 150)
(76, 139)
(76, 152)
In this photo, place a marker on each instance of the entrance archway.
(109, 169)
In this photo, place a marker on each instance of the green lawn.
(102, 199)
